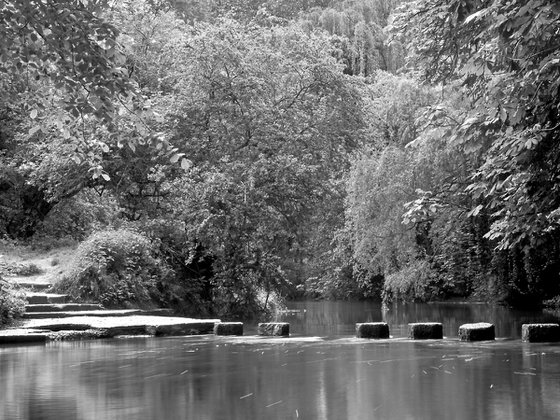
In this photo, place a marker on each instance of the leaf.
(475, 16)
(33, 114)
(33, 130)
(175, 158)
(503, 114)
(474, 212)
(185, 164)
(106, 177)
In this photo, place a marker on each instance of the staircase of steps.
(42, 305)
(35, 298)
(51, 316)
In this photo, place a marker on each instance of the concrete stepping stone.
(63, 307)
(34, 298)
(425, 331)
(480, 331)
(540, 333)
(277, 329)
(228, 328)
(372, 330)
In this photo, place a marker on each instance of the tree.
(360, 30)
(504, 55)
(267, 119)
(385, 176)
(70, 45)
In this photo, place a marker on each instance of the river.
(320, 372)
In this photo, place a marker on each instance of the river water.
(320, 372)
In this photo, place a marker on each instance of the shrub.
(28, 270)
(19, 269)
(118, 268)
(415, 282)
(12, 303)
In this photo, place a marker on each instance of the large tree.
(504, 56)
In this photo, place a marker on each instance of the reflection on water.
(333, 319)
(338, 378)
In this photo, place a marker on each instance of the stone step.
(22, 336)
(34, 298)
(62, 307)
(130, 325)
(32, 286)
(99, 313)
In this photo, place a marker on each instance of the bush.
(19, 269)
(118, 268)
(415, 282)
(12, 303)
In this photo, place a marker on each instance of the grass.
(22, 260)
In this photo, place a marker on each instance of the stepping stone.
(425, 331)
(45, 298)
(186, 328)
(481, 331)
(63, 307)
(539, 333)
(228, 328)
(372, 330)
(277, 329)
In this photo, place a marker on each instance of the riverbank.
(54, 317)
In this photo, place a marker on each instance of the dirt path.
(23, 265)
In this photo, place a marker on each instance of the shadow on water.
(340, 377)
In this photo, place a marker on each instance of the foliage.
(77, 217)
(270, 119)
(12, 303)
(118, 268)
(383, 177)
(359, 27)
(19, 269)
(281, 146)
(415, 282)
(70, 45)
(503, 56)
